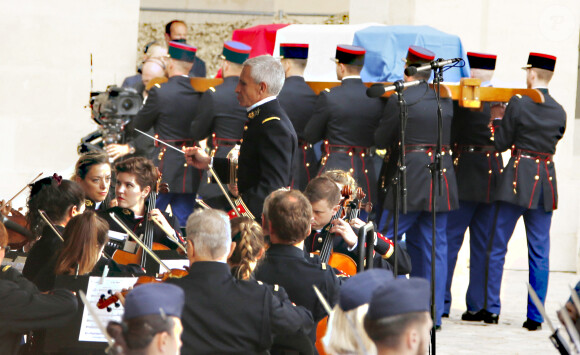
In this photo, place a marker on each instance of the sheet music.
(89, 330)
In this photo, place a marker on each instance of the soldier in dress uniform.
(298, 100)
(169, 110)
(219, 116)
(223, 315)
(269, 142)
(527, 186)
(421, 141)
(477, 167)
(345, 117)
(398, 317)
(136, 178)
(176, 31)
(288, 224)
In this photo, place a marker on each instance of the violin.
(106, 302)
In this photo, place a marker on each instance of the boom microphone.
(439, 63)
(377, 90)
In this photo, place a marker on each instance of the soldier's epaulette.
(271, 119)
(323, 266)
(518, 96)
(259, 282)
(157, 85)
(212, 88)
(276, 287)
(5, 268)
(327, 89)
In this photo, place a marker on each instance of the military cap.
(150, 298)
(399, 296)
(236, 52)
(481, 60)
(541, 61)
(348, 54)
(419, 55)
(359, 288)
(182, 51)
(294, 50)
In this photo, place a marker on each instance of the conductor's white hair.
(267, 69)
(210, 232)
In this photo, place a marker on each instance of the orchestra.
(238, 277)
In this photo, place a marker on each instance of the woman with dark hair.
(61, 200)
(24, 308)
(82, 253)
(93, 174)
(249, 247)
(136, 179)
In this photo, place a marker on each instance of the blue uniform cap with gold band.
(150, 298)
(419, 55)
(349, 54)
(182, 51)
(236, 52)
(541, 61)
(399, 296)
(481, 60)
(294, 50)
(359, 288)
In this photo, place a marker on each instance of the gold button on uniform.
(537, 177)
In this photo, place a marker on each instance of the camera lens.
(127, 104)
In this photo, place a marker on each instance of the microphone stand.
(436, 168)
(401, 179)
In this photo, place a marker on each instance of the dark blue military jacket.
(477, 163)
(170, 109)
(421, 138)
(298, 100)
(533, 130)
(266, 155)
(347, 117)
(223, 315)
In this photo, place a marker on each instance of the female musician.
(24, 307)
(249, 247)
(82, 253)
(345, 333)
(93, 173)
(136, 179)
(151, 324)
(61, 200)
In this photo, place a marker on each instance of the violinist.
(61, 200)
(24, 307)
(289, 216)
(151, 323)
(82, 253)
(324, 195)
(248, 245)
(93, 174)
(136, 179)
(223, 315)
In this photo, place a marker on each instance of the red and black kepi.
(481, 60)
(236, 52)
(419, 55)
(294, 50)
(541, 61)
(349, 54)
(182, 51)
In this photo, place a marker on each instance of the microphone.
(439, 63)
(377, 90)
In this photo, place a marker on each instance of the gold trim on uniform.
(126, 211)
(270, 119)
(253, 113)
(88, 203)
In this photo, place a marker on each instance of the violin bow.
(169, 234)
(50, 224)
(217, 179)
(22, 190)
(138, 241)
(93, 314)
